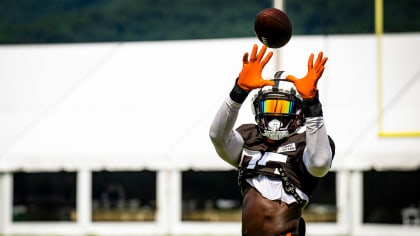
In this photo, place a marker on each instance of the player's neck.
(275, 142)
(270, 140)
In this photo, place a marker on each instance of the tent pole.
(84, 199)
(162, 200)
(279, 4)
(6, 202)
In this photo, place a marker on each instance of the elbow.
(218, 141)
(319, 171)
(220, 146)
(321, 166)
(215, 138)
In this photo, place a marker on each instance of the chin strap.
(275, 135)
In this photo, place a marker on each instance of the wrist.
(238, 94)
(312, 107)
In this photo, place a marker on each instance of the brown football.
(273, 28)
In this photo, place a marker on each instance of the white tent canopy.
(149, 105)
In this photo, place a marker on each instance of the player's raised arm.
(318, 153)
(228, 142)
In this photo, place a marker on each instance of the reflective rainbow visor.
(278, 106)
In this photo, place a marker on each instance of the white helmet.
(278, 108)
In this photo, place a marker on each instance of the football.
(273, 28)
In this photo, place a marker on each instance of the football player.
(283, 156)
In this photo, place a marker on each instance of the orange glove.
(250, 76)
(307, 85)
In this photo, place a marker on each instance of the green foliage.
(37, 21)
(401, 16)
(68, 21)
(331, 16)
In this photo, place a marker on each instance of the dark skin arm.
(263, 217)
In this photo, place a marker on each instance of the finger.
(266, 82)
(311, 61)
(324, 61)
(320, 72)
(291, 78)
(261, 53)
(319, 76)
(266, 59)
(244, 86)
(318, 60)
(245, 58)
(254, 53)
(321, 64)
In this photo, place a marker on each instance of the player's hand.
(307, 85)
(250, 76)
